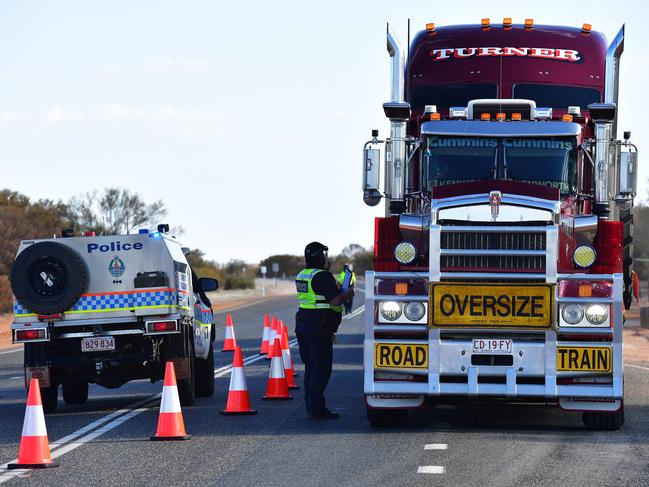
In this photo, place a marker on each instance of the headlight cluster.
(392, 310)
(596, 314)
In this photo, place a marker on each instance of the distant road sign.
(264, 269)
(275, 267)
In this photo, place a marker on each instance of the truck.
(503, 262)
(111, 309)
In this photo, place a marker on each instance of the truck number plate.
(584, 359)
(491, 345)
(471, 304)
(97, 344)
(400, 356)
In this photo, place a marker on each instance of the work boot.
(326, 414)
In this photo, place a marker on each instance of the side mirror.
(628, 176)
(208, 284)
(371, 176)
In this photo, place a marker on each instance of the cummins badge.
(495, 197)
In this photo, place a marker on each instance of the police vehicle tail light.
(584, 256)
(30, 335)
(405, 252)
(161, 326)
(596, 314)
(390, 310)
(572, 313)
(414, 310)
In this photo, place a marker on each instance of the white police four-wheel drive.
(111, 309)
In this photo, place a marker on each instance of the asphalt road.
(105, 442)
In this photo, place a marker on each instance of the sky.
(246, 118)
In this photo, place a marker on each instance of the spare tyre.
(48, 278)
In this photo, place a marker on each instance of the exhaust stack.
(611, 88)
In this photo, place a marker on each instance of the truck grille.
(509, 260)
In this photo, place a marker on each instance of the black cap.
(314, 249)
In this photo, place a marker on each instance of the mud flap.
(182, 367)
(603, 404)
(43, 374)
(394, 401)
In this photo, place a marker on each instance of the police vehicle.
(109, 310)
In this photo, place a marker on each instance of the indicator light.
(516, 116)
(435, 116)
(500, 116)
(585, 291)
(485, 116)
(401, 288)
(566, 118)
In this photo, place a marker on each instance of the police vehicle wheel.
(74, 392)
(50, 398)
(205, 374)
(603, 421)
(186, 387)
(48, 278)
(387, 417)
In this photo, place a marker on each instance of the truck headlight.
(596, 314)
(390, 310)
(572, 313)
(405, 252)
(414, 310)
(584, 256)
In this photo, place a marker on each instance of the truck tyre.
(604, 421)
(186, 386)
(205, 374)
(387, 417)
(74, 392)
(50, 398)
(48, 278)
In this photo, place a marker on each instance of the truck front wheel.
(387, 417)
(74, 392)
(604, 421)
(50, 398)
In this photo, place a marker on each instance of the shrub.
(6, 296)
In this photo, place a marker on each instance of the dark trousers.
(316, 351)
(348, 305)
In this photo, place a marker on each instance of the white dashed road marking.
(430, 469)
(436, 446)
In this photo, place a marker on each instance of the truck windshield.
(547, 161)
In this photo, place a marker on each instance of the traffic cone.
(230, 341)
(238, 398)
(265, 337)
(272, 337)
(287, 361)
(170, 421)
(276, 388)
(34, 449)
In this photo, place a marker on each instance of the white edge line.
(17, 349)
(430, 469)
(436, 446)
(636, 366)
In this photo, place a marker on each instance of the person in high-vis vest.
(340, 279)
(317, 320)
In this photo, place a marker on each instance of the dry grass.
(6, 296)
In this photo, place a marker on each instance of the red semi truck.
(502, 266)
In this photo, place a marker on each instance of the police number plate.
(471, 304)
(400, 356)
(97, 344)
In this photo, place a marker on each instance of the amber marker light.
(486, 23)
(516, 116)
(529, 23)
(586, 28)
(585, 290)
(500, 116)
(430, 27)
(485, 116)
(435, 116)
(566, 118)
(507, 22)
(401, 288)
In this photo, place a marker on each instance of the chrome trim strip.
(552, 249)
(90, 334)
(493, 229)
(493, 275)
(498, 253)
(481, 128)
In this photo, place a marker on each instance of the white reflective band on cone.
(228, 332)
(170, 402)
(286, 358)
(238, 380)
(34, 423)
(266, 335)
(277, 368)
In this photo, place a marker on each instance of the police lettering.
(537, 52)
(492, 306)
(114, 247)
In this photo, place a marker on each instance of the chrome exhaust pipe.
(396, 156)
(612, 78)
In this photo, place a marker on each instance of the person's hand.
(350, 291)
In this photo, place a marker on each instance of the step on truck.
(502, 265)
(109, 310)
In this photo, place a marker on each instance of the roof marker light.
(566, 118)
(500, 116)
(575, 111)
(430, 109)
(542, 113)
(516, 116)
(486, 23)
(529, 23)
(458, 112)
(485, 116)
(435, 116)
(430, 27)
(507, 23)
(585, 29)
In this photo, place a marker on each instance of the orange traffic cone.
(265, 337)
(34, 449)
(170, 422)
(272, 337)
(230, 341)
(238, 398)
(276, 388)
(287, 361)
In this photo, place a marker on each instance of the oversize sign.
(584, 359)
(400, 356)
(471, 304)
